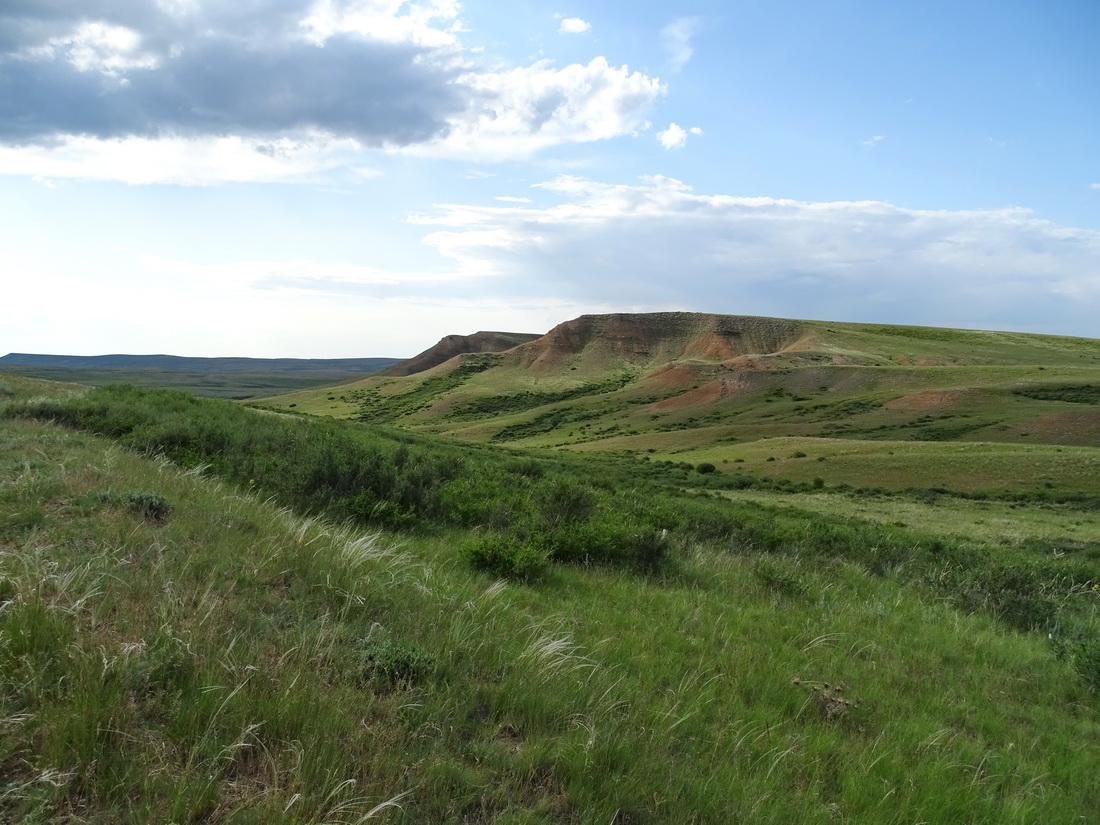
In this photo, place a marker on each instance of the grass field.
(1049, 527)
(898, 465)
(182, 642)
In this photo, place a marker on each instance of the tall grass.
(529, 516)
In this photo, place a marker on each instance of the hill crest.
(450, 346)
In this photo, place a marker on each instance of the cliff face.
(452, 345)
(657, 338)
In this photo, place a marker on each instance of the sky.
(359, 178)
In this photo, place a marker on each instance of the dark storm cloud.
(243, 68)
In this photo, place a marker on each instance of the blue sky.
(332, 178)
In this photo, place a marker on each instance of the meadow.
(216, 614)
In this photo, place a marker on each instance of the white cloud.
(873, 141)
(676, 40)
(186, 161)
(675, 137)
(574, 25)
(660, 244)
(517, 112)
(377, 74)
(393, 21)
(512, 199)
(1094, 186)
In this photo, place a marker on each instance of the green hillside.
(216, 615)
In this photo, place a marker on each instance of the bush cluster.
(346, 470)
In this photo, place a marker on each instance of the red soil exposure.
(926, 400)
(708, 393)
(671, 377)
(656, 338)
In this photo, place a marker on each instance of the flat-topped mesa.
(656, 338)
(451, 345)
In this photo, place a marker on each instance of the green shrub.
(507, 556)
(641, 547)
(149, 506)
(1018, 593)
(705, 467)
(395, 662)
(1085, 656)
(781, 576)
(564, 502)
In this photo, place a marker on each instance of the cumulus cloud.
(676, 39)
(675, 137)
(658, 244)
(514, 113)
(387, 74)
(574, 25)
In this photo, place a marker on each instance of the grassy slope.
(19, 387)
(219, 660)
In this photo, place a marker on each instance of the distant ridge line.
(177, 362)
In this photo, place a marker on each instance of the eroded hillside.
(451, 346)
(671, 382)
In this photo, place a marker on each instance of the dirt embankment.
(452, 345)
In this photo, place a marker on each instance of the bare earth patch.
(927, 400)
